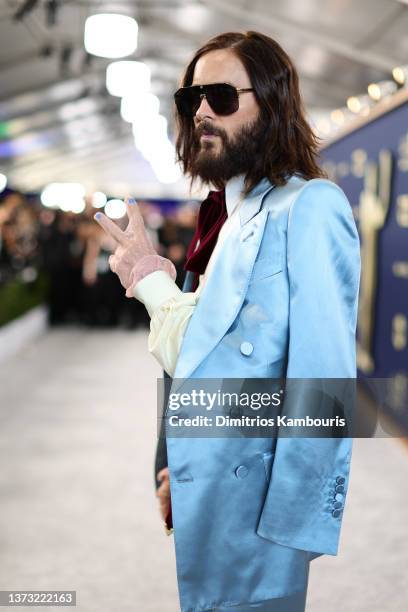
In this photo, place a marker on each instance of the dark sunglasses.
(222, 97)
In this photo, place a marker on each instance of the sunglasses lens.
(187, 100)
(222, 98)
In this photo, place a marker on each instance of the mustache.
(205, 127)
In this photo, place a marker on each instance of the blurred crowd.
(72, 251)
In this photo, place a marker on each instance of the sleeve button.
(246, 348)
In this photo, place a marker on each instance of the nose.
(204, 110)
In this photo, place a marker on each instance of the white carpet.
(77, 504)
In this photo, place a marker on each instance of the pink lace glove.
(134, 256)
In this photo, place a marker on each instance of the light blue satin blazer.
(286, 285)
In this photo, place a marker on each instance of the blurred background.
(86, 117)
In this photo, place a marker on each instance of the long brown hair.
(288, 145)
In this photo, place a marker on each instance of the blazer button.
(340, 480)
(241, 471)
(339, 489)
(246, 348)
(336, 513)
(337, 505)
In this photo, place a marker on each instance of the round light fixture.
(66, 196)
(127, 78)
(110, 35)
(115, 209)
(3, 182)
(99, 199)
(138, 108)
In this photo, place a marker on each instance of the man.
(276, 276)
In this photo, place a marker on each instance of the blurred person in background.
(101, 297)
(22, 285)
(69, 254)
(19, 228)
(62, 253)
(175, 236)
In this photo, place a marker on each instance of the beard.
(237, 154)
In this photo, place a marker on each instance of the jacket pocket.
(267, 266)
(268, 462)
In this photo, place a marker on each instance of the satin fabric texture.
(292, 603)
(286, 285)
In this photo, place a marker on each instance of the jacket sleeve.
(308, 484)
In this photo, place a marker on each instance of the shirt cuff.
(154, 289)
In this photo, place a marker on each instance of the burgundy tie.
(213, 213)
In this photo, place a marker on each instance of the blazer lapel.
(253, 201)
(225, 290)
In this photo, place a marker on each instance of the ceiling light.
(150, 128)
(137, 108)
(152, 141)
(338, 116)
(359, 104)
(98, 199)
(167, 173)
(3, 182)
(376, 91)
(110, 35)
(400, 74)
(78, 206)
(127, 78)
(115, 209)
(353, 104)
(66, 196)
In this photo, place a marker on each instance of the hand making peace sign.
(134, 256)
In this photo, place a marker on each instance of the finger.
(164, 512)
(133, 212)
(163, 490)
(163, 498)
(164, 473)
(112, 262)
(164, 505)
(110, 228)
